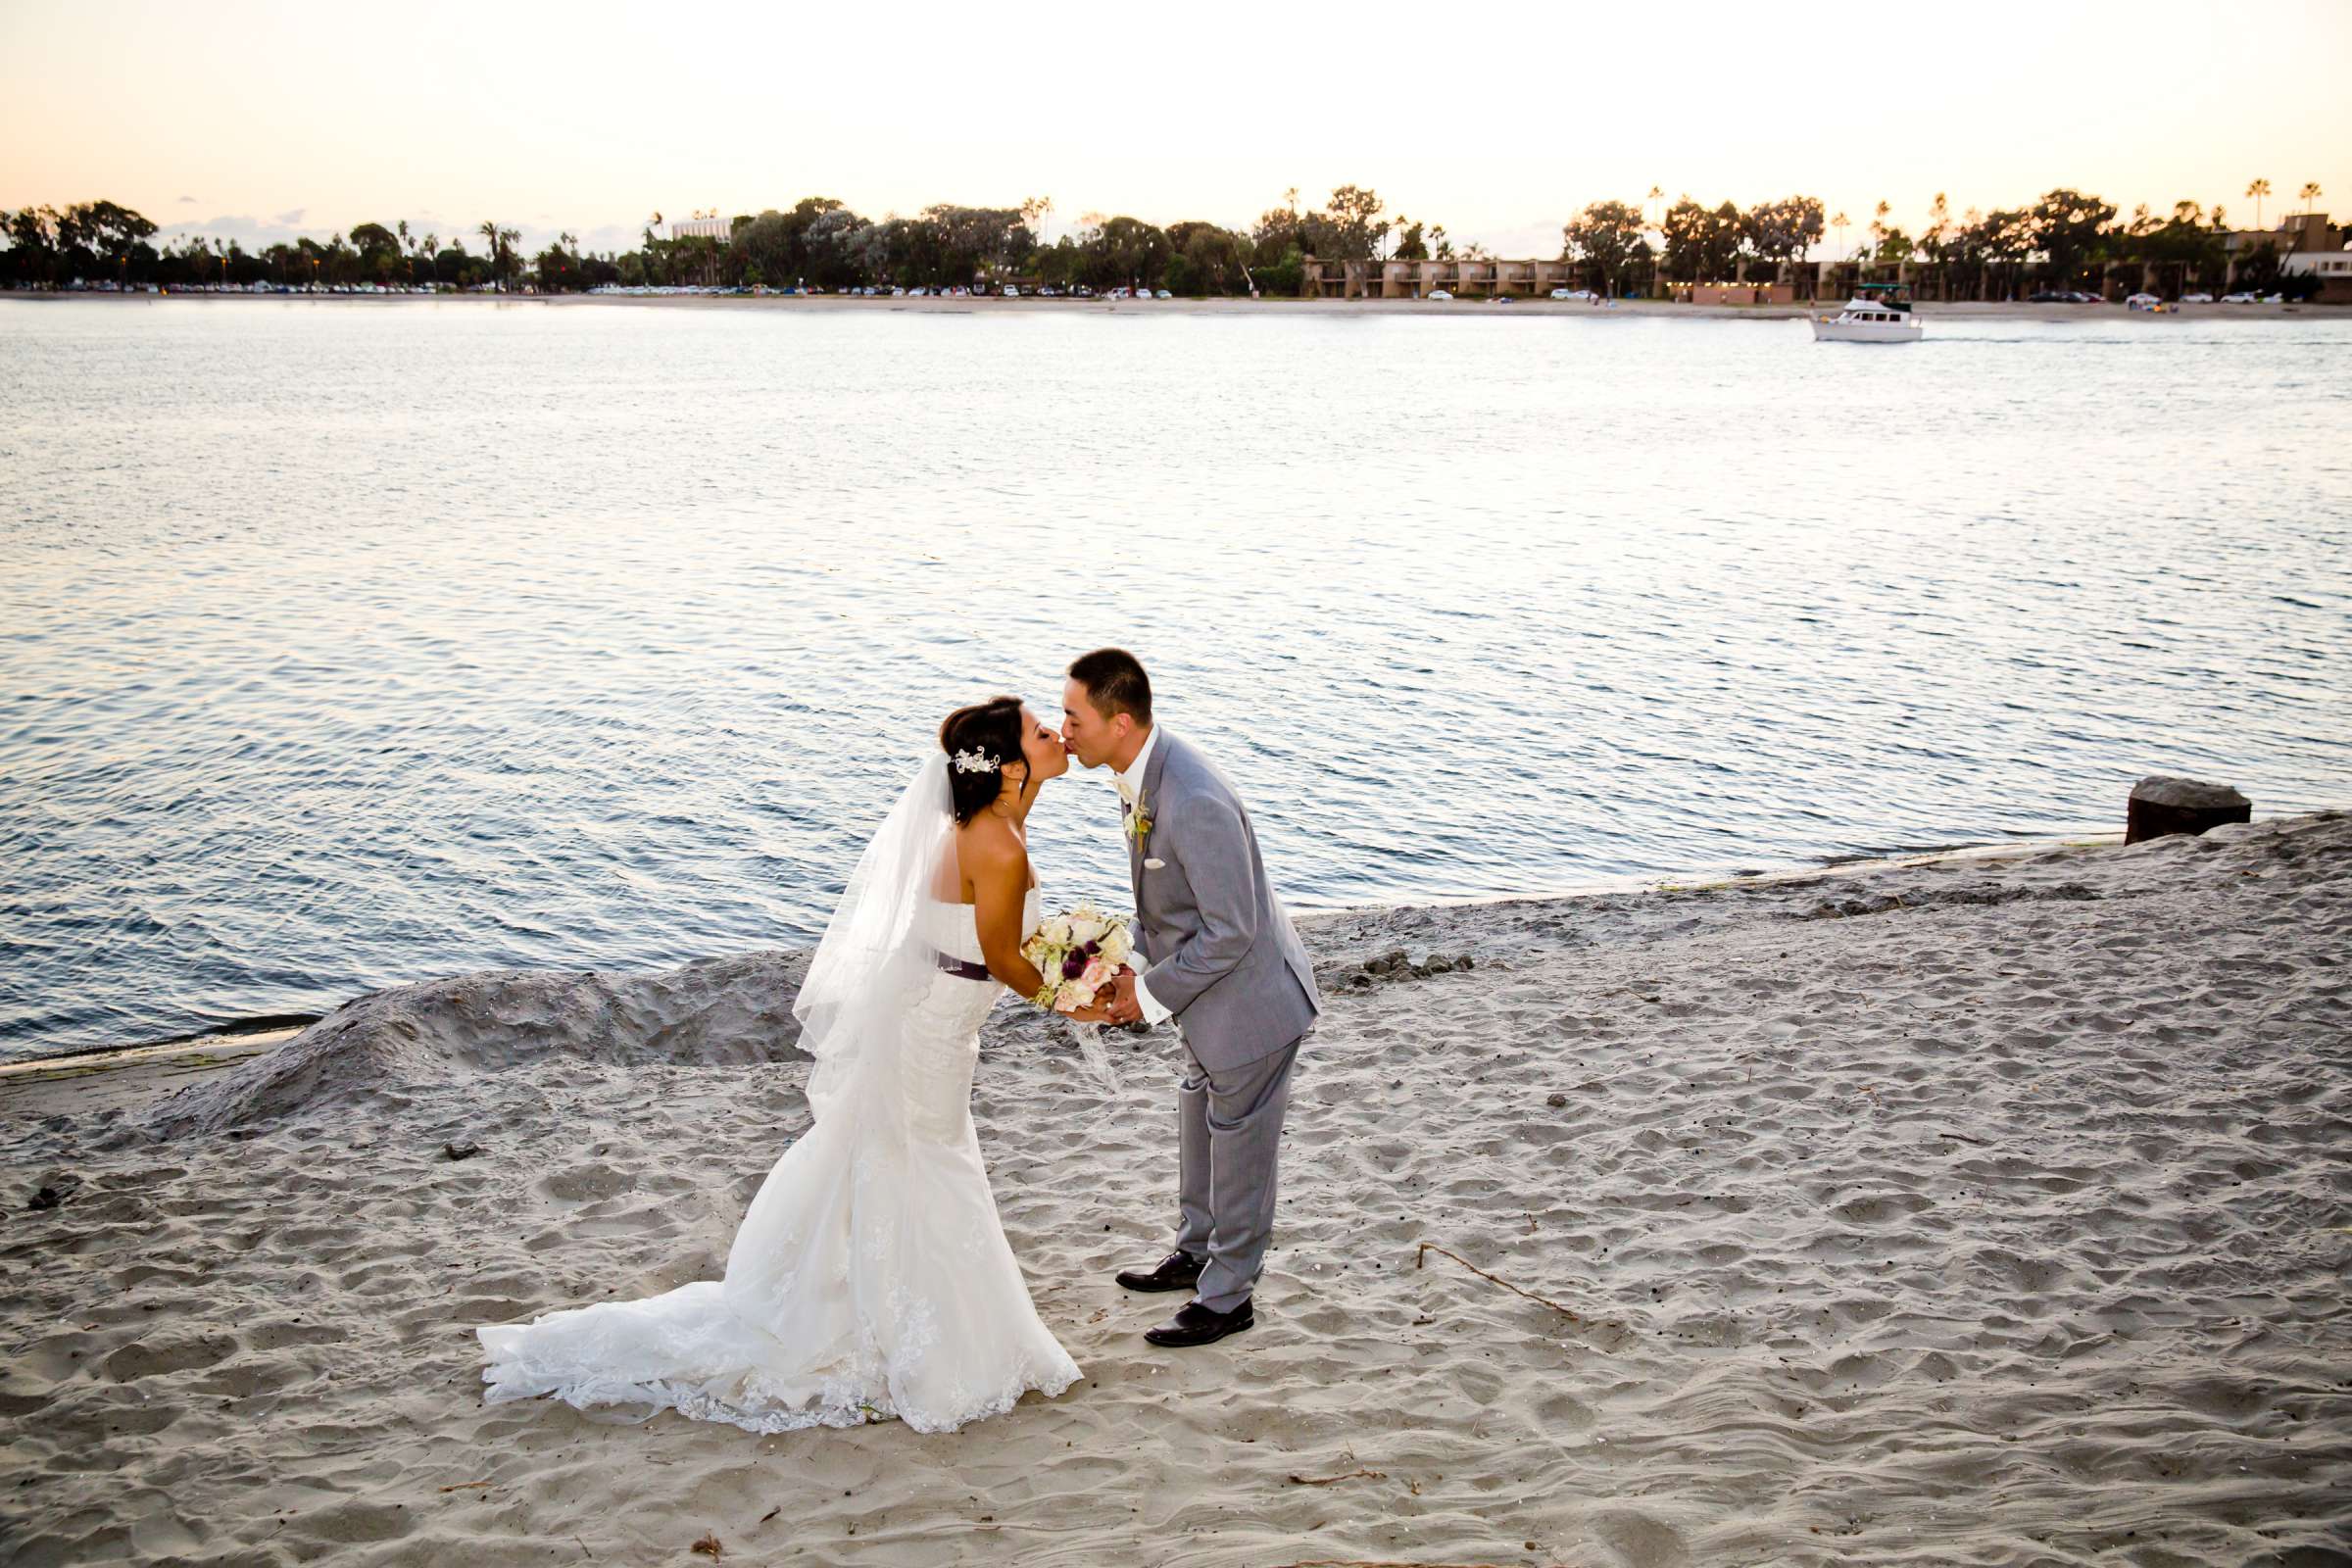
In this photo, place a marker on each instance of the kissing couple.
(871, 1277)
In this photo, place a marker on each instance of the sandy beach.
(1986, 1210)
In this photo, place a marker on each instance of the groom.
(1224, 962)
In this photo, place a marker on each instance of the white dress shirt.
(1130, 783)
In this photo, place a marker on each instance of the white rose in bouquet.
(1078, 955)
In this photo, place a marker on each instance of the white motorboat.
(1868, 322)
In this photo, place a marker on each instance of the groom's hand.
(1122, 1005)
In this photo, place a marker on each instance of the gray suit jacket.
(1223, 956)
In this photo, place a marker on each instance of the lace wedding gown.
(870, 1277)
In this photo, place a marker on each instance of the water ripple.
(343, 647)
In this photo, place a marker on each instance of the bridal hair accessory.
(974, 763)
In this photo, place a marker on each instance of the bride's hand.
(1094, 1014)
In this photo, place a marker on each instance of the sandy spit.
(1983, 1211)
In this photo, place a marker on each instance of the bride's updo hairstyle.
(992, 729)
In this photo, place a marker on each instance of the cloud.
(187, 201)
(290, 220)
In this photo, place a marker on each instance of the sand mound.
(715, 1012)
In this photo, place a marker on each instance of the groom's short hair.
(1115, 683)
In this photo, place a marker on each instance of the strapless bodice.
(955, 928)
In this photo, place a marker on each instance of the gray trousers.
(1229, 1136)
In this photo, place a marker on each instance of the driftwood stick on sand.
(1421, 1261)
(1333, 1481)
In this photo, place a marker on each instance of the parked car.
(2143, 301)
(1438, 294)
(1163, 294)
(1574, 294)
(2196, 299)
(2241, 297)
(1501, 299)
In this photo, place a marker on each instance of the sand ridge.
(1965, 1212)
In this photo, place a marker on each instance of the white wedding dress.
(870, 1277)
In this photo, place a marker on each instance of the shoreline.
(234, 1041)
(1991, 1204)
(1961, 310)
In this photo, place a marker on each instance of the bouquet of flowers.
(1078, 953)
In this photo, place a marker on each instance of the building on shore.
(2303, 244)
(1780, 293)
(1475, 277)
(702, 228)
(2309, 246)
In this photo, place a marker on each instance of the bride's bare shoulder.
(988, 844)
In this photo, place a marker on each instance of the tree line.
(2061, 240)
(94, 242)
(2064, 239)
(820, 242)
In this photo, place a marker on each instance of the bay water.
(345, 644)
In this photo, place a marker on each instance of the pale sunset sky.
(258, 120)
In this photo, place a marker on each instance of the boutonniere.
(1138, 819)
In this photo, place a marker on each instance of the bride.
(871, 1276)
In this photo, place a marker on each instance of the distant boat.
(1866, 320)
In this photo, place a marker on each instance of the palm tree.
(2310, 194)
(1838, 224)
(506, 240)
(2258, 190)
(489, 233)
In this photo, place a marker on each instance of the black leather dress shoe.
(1178, 1271)
(1195, 1324)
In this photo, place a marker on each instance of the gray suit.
(1224, 959)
